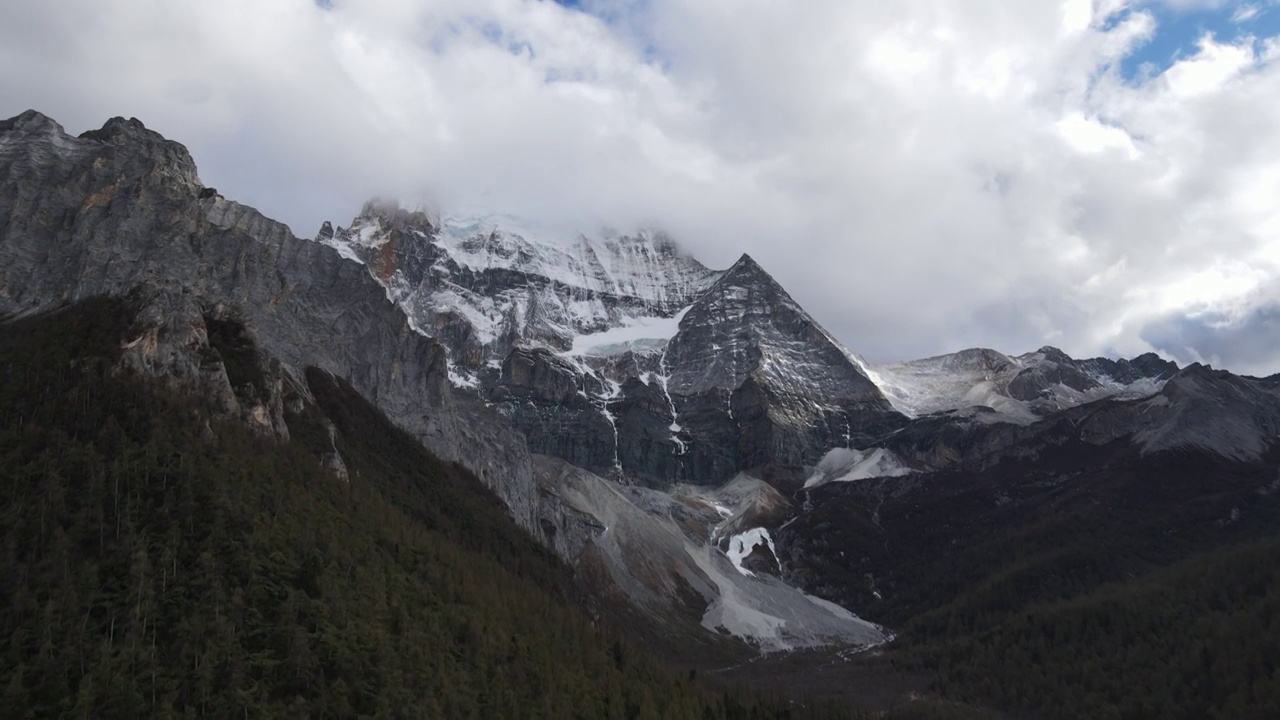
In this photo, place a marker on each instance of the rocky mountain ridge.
(483, 284)
(121, 209)
(626, 357)
(1018, 389)
(620, 354)
(661, 425)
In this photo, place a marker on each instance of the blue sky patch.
(1178, 29)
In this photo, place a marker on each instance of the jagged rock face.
(172, 344)
(208, 353)
(1045, 372)
(1019, 389)
(481, 286)
(746, 325)
(1148, 366)
(748, 380)
(1198, 409)
(1056, 368)
(122, 208)
(646, 444)
(749, 362)
(552, 403)
(620, 354)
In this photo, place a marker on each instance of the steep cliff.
(122, 209)
(620, 353)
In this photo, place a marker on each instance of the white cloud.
(1088, 135)
(1245, 13)
(922, 175)
(1210, 69)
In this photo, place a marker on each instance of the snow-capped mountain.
(483, 285)
(808, 472)
(755, 374)
(1020, 389)
(624, 355)
(620, 353)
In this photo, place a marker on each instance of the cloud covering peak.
(923, 176)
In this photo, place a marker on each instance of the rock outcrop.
(757, 382)
(122, 209)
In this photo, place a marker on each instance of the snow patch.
(343, 249)
(637, 334)
(981, 378)
(740, 546)
(849, 465)
(461, 379)
(483, 324)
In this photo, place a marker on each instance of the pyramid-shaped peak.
(745, 265)
(746, 272)
(747, 324)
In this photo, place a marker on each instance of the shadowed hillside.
(159, 563)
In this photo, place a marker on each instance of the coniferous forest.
(162, 563)
(1200, 639)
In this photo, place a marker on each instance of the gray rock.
(1198, 409)
(1019, 389)
(749, 379)
(749, 364)
(122, 208)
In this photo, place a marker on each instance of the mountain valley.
(677, 463)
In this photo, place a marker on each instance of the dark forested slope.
(162, 563)
(1086, 582)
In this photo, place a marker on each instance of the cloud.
(1245, 13)
(922, 176)
(1249, 343)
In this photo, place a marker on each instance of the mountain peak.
(393, 215)
(30, 126)
(1052, 353)
(119, 131)
(29, 120)
(747, 322)
(47, 144)
(747, 273)
(1200, 370)
(746, 265)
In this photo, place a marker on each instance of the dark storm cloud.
(1249, 344)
